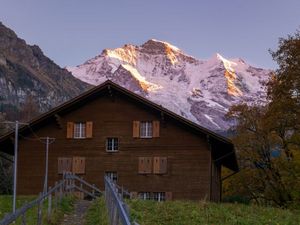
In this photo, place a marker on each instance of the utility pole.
(48, 142)
(17, 123)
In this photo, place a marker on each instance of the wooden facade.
(109, 130)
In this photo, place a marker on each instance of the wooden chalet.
(147, 149)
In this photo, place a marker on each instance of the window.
(112, 175)
(79, 130)
(156, 196)
(145, 195)
(112, 144)
(146, 129)
(159, 196)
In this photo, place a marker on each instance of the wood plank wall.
(187, 153)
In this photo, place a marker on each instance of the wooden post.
(60, 193)
(39, 213)
(55, 196)
(49, 205)
(24, 218)
(93, 191)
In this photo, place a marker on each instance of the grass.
(97, 213)
(31, 215)
(195, 213)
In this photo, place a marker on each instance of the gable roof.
(227, 151)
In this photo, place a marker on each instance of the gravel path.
(77, 216)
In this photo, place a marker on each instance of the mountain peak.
(159, 47)
(200, 90)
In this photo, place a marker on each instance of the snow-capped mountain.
(199, 90)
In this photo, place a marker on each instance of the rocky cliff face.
(25, 70)
(200, 90)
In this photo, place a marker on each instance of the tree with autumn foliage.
(268, 137)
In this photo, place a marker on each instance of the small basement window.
(159, 196)
(112, 175)
(112, 144)
(79, 130)
(145, 195)
(146, 129)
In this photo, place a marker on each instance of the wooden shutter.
(145, 165)
(156, 161)
(148, 165)
(156, 128)
(78, 166)
(64, 165)
(169, 196)
(89, 129)
(60, 166)
(136, 129)
(160, 165)
(141, 168)
(163, 167)
(70, 129)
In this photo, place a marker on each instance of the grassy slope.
(192, 213)
(31, 215)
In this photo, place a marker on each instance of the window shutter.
(148, 165)
(169, 196)
(156, 128)
(141, 168)
(89, 129)
(60, 166)
(163, 166)
(160, 165)
(156, 161)
(136, 129)
(64, 165)
(145, 165)
(78, 166)
(70, 129)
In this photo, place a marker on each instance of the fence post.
(93, 191)
(55, 196)
(61, 192)
(40, 206)
(49, 205)
(24, 218)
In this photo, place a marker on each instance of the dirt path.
(77, 216)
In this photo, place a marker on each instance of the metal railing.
(57, 190)
(76, 183)
(118, 210)
(66, 186)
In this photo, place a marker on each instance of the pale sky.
(72, 31)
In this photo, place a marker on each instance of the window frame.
(161, 196)
(113, 144)
(145, 195)
(148, 132)
(82, 130)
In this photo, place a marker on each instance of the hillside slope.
(25, 70)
